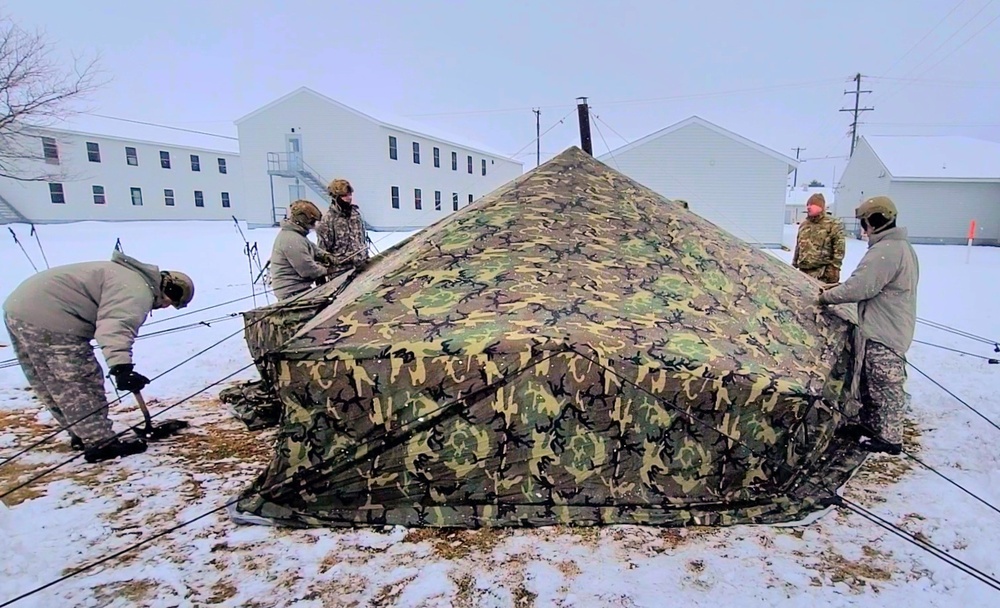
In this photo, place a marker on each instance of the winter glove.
(324, 258)
(128, 380)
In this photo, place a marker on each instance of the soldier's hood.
(893, 234)
(294, 227)
(149, 272)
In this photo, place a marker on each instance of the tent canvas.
(570, 349)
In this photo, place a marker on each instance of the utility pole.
(857, 96)
(538, 136)
(795, 178)
(582, 110)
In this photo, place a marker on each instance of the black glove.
(128, 380)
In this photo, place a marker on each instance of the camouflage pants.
(65, 375)
(882, 394)
(826, 274)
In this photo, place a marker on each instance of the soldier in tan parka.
(820, 245)
(52, 317)
(296, 262)
(341, 233)
(884, 286)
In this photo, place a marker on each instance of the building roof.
(937, 157)
(697, 120)
(144, 133)
(798, 195)
(390, 122)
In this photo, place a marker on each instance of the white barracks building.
(404, 178)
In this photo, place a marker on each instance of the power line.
(153, 124)
(640, 100)
(924, 37)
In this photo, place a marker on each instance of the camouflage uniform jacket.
(106, 301)
(819, 248)
(295, 261)
(344, 238)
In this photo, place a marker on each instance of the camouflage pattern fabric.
(65, 375)
(574, 349)
(343, 237)
(253, 403)
(882, 391)
(256, 403)
(820, 247)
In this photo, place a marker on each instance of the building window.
(93, 152)
(484, 166)
(131, 157)
(437, 157)
(56, 194)
(225, 200)
(222, 165)
(395, 197)
(416, 199)
(137, 197)
(164, 159)
(416, 153)
(454, 161)
(50, 150)
(470, 165)
(195, 163)
(199, 198)
(99, 195)
(168, 197)
(392, 148)
(470, 199)
(454, 201)
(437, 200)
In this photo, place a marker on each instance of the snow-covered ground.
(82, 512)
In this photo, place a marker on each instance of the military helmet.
(876, 204)
(339, 187)
(178, 287)
(304, 212)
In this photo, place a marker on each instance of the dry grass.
(458, 544)
(875, 566)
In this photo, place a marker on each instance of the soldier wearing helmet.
(342, 231)
(52, 317)
(884, 286)
(296, 262)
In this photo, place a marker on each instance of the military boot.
(882, 446)
(75, 443)
(114, 448)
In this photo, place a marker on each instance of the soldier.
(342, 231)
(884, 285)
(52, 317)
(296, 263)
(819, 247)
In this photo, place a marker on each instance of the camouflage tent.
(572, 348)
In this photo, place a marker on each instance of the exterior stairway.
(284, 164)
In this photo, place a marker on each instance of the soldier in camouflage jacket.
(341, 232)
(820, 245)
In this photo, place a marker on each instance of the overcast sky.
(774, 71)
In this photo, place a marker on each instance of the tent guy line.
(835, 500)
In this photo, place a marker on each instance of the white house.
(83, 176)
(403, 178)
(940, 184)
(729, 180)
(795, 202)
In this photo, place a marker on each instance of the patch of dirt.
(465, 591)
(221, 591)
(569, 569)
(134, 591)
(874, 566)
(388, 594)
(524, 598)
(458, 544)
(225, 445)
